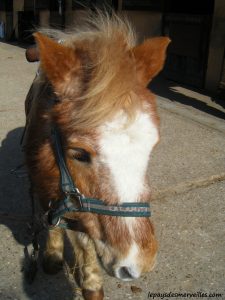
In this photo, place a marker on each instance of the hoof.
(93, 295)
(52, 264)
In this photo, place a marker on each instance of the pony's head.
(109, 126)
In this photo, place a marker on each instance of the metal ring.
(50, 219)
(51, 226)
(57, 223)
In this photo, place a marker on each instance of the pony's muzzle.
(126, 273)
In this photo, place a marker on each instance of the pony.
(92, 86)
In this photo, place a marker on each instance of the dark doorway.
(188, 24)
(26, 25)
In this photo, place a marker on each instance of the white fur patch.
(129, 263)
(126, 150)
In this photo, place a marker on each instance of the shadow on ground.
(168, 89)
(15, 211)
(23, 45)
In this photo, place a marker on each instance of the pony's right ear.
(57, 60)
(150, 57)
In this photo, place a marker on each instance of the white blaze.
(129, 262)
(126, 151)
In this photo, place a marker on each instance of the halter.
(74, 201)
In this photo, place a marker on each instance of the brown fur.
(82, 83)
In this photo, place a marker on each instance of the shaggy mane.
(110, 69)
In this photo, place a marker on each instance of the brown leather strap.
(73, 224)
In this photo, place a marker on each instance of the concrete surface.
(187, 175)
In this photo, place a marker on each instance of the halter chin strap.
(74, 201)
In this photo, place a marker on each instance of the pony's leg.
(88, 267)
(53, 255)
(92, 277)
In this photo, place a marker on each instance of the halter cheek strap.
(74, 201)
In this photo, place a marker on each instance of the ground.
(188, 186)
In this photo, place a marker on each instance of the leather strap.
(74, 201)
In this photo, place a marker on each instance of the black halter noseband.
(74, 201)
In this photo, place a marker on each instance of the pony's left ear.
(57, 60)
(150, 57)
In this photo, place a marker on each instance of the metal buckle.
(77, 196)
(48, 219)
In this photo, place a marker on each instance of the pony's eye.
(81, 155)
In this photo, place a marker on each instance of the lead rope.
(32, 268)
(35, 227)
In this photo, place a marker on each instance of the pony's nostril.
(125, 273)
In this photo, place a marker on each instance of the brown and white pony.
(93, 87)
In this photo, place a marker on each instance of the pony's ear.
(57, 61)
(150, 57)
